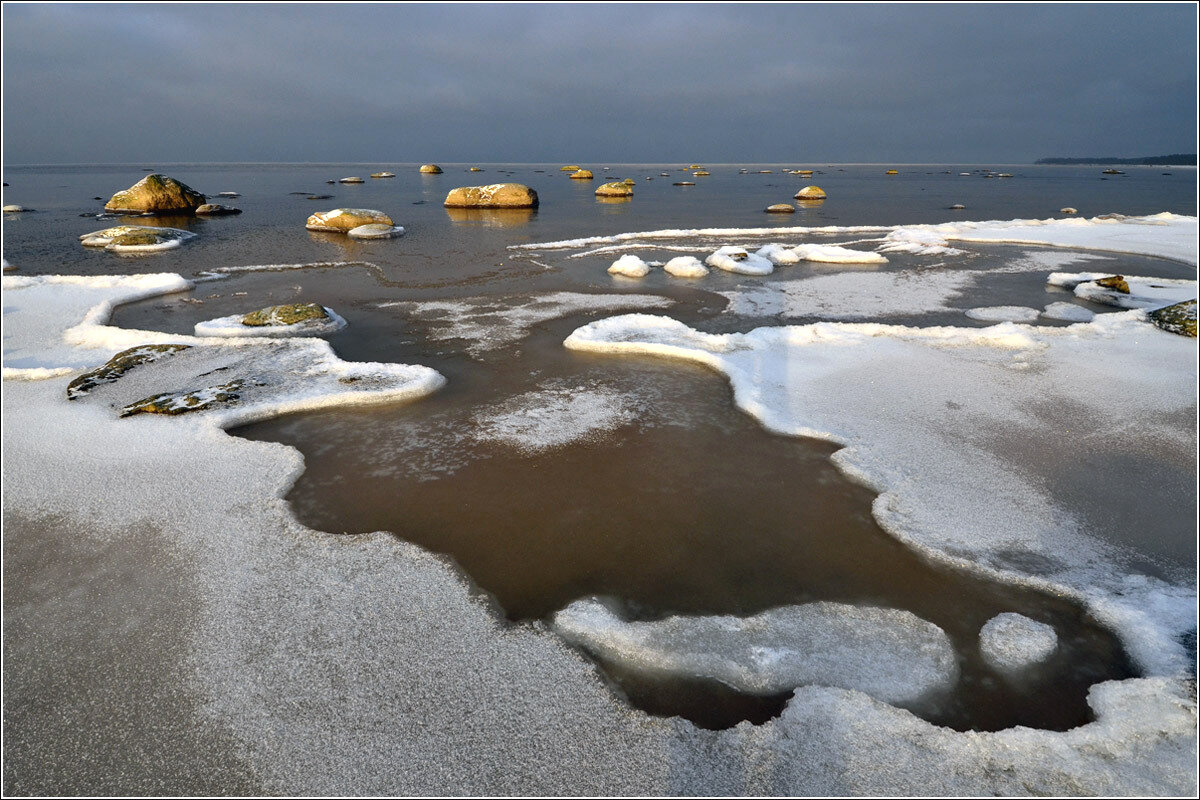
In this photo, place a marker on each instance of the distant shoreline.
(1173, 160)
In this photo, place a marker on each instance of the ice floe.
(892, 655)
(919, 241)
(778, 254)
(1068, 311)
(834, 254)
(960, 485)
(488, 323)
(732, 258)
(1012, 642)
(1143, 292)
(1003, 313)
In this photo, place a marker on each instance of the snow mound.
(892, 655)
(685, 267)
(737, 259)
(630, 266)
(778, 254)
(1011, 642)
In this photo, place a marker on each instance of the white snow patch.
(1010, 642)
(778, 254)
(1143, 293)
(919, 241)
(892, 655)
(1003, 313)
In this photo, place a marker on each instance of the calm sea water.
(686, 507)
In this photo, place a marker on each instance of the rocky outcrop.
(496, 195)
(582, 175)
(430, 169)
(156, 193)
(1179, 318)
(341, 220)
(810, 193)
(182, 402)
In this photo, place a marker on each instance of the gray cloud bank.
(653, 83)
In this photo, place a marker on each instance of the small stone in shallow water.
(781, 208)
(1068, 210)
(810, 193)
(375, 230)
(289, 314)
(430, 169)
(14, 209)
(1115, 282)
(216, 210)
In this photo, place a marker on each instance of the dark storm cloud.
(154, 82)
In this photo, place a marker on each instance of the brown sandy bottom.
(672, 502)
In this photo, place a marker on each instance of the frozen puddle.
(554, 416)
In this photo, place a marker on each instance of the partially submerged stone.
(1115, 282)
(1179, 318)
(216, 210)
(684, 183)
(340, 220)
(14, 209)
(156, 193)
(118, 365)
(383, 174)
(351, 180)
(289, 314)
(1068, 210)
(781, 208)
(632, 182)
(581, 175)
(431, 169)
(892, 172)
(136, 238)
(496, 195)
(375, 230)
(614, 190)
(810, 193)
(173, 403)
(570, 168)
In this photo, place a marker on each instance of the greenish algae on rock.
(285, 315)
(183, 402)
(118, 365)
(1179, 318)
(156, 192)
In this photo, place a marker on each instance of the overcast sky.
(621, 83)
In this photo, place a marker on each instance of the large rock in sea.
(156, 193)
(495, 195)
(621, 189)
(431, 169)
(810, 193)
(582, 175)
(781, 208)
(341, 220)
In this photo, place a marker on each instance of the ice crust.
(553, 416)
(892, 655)
(948, 484)
(779, 254)
(851, 295)
(1012, 642)
(1069, 312)
(232, 327)
(492, 322)
(1003, 313)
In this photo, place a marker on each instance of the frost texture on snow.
(892, 655)
(488, 323)
(1012, 642)
(949, 484)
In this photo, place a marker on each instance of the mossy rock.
(810, 193)
(618, 189)
(118, 365)
(156, 193)
(495, 195)
(136, 239)
(1115, 282)
(290, 314)
(431, 169)
(1179, 318)
(173, 403)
